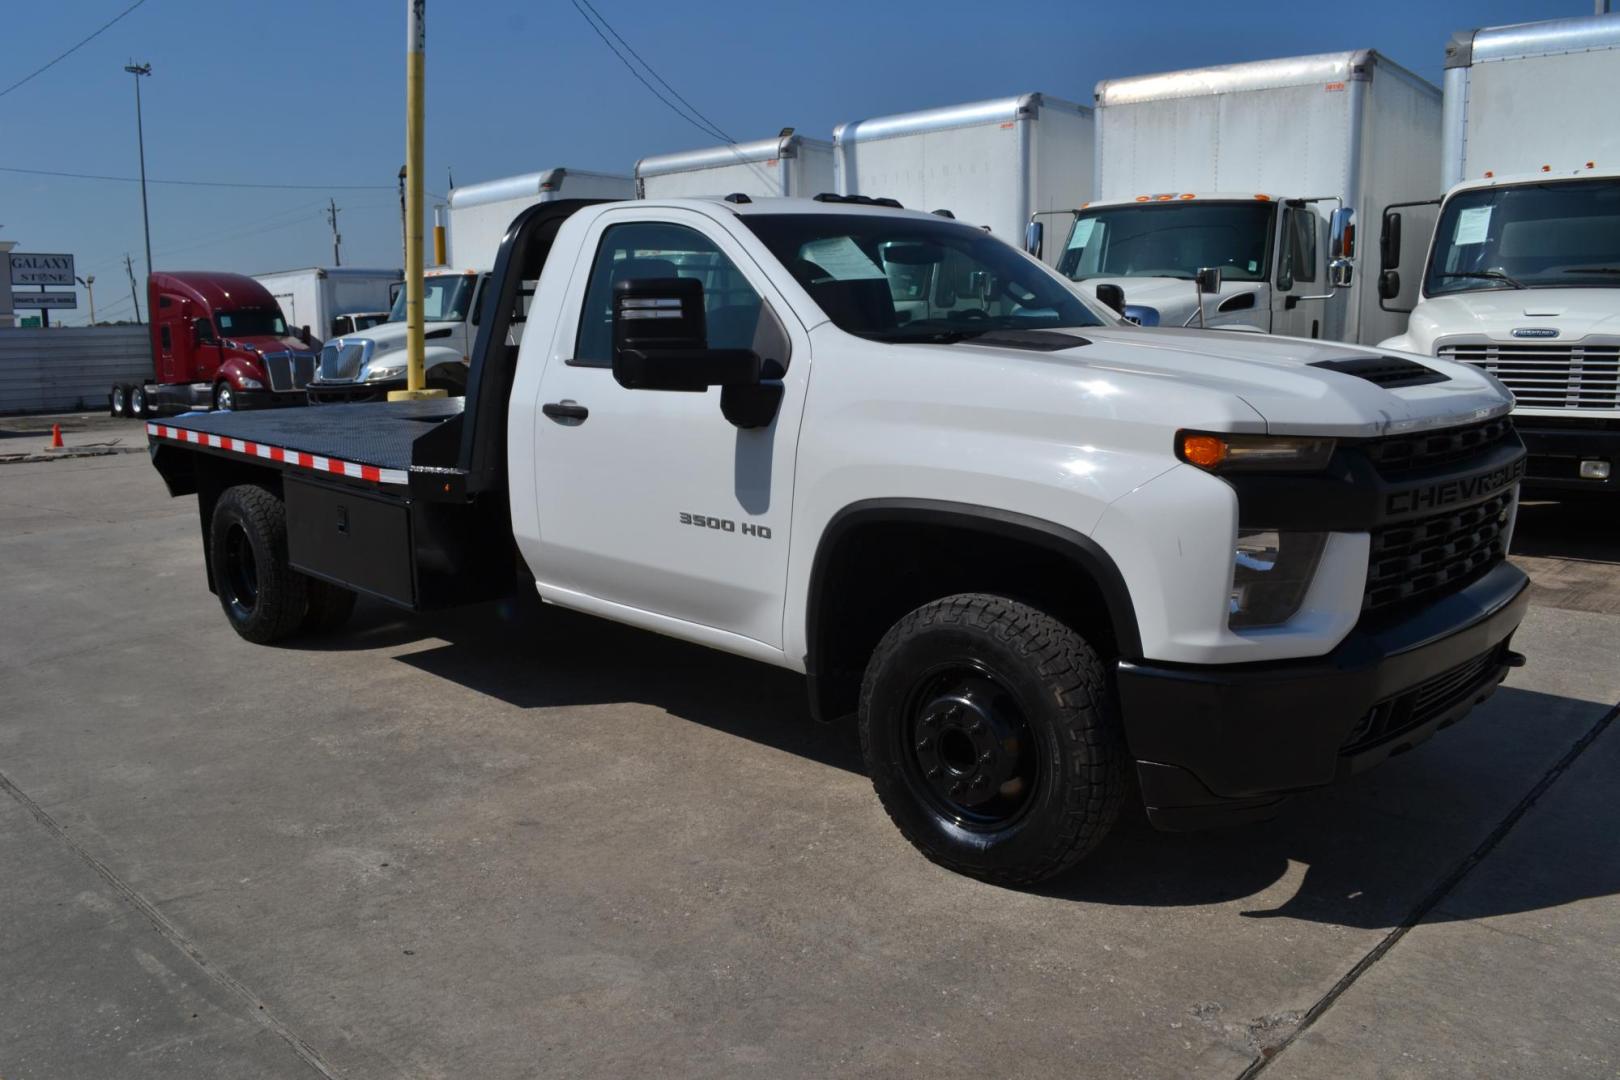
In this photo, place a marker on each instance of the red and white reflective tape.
(298, 458)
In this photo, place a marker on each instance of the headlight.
(1222, 453)
(249, 383)
(1271, 572)
(383, 371)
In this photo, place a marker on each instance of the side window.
(163, 336)
(652, 249)
(1301, 251)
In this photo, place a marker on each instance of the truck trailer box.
(1522, 275)
(317, 295)
(480, 213)
(1303, 134)
(990, 163)
(789, 165)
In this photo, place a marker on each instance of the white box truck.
(1523, 272)
(990, 163)
(788, 165)
(481, 213)
(367, 364)
(1241, 168)
(329, 299)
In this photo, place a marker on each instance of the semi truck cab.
(366, 364)
(218, 341)
(1279, 258)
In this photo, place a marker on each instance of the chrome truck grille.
(289, 370)
(341, 360)
(1550, 376)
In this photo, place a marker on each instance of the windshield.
(445, 298)
(250, 322)
(1553, 235)
(1171, 240)
(902, 279)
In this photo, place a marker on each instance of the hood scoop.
(1033, 340)
(1390, 372)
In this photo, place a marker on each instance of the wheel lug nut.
(980, 782)
(922, 743)
(976, 727)
(933, 774)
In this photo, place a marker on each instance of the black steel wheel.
(264, 599)
(991, 736)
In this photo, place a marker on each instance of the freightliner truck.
(1523, 270)
(1258, 170)
(1046, 557)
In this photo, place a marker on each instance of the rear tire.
(992, 738)
(118, 400)
(264, 598)
(138, 405)
(329, 607)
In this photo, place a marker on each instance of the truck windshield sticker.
(842, 258)
(1472, 225)
(1082, 233)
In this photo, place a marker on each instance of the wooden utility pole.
(337, 237)
(134, 297)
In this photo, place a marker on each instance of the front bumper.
(1557, 448)
(342, 393)
(1225, 744)
(269, 399)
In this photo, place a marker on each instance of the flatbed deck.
(367, 441)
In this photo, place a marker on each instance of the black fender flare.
(1082, 552)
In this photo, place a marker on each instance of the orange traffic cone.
(56, 436)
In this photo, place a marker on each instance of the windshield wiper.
(1594, 270)
(1488, 275)
(936, 337)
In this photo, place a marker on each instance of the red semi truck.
(219, 341)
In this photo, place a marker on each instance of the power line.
(661, 81)
(697, 121)
(199, 183)
(696, 118)
(74, 49)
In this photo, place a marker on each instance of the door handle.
(565, 410)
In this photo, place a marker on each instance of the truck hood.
(1274, 376)
(268, 344)
(391, 335)
(1494, 315)
(1174, 299)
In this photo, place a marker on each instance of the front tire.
(264, 598)
(224, 397)
(992, 738)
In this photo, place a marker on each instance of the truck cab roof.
(212, 289)
(1187, 196)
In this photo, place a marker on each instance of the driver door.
(650, 501)
(1298, 275)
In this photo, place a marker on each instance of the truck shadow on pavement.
(1366, 852)
(1577, 529)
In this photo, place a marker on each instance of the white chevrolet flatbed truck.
(1047, 557)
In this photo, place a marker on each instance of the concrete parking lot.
(513, 841)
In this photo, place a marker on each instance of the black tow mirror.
(1389, 242)
(1389, 285)
(1112, 296)
(1208, 279)
(1034, 238)
(660, 340)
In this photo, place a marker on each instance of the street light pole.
(140, 70)
(89, 283)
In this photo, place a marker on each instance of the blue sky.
(307, 92)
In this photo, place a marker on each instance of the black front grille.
(1443, 551)
(1407, 711)
(1402, 455)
